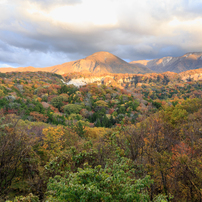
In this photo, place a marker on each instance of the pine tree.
(98, 123)
(80, 129)
(105, 121)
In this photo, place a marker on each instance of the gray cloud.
(144, 30)
(17, 57)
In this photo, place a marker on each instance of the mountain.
(99, 62)
(186, 62)
(129, 81)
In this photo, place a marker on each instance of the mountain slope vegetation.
(128, 137)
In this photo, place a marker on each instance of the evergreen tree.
(98, 123)
(105, 121)
(80, 129)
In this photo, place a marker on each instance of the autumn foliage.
(138, 135)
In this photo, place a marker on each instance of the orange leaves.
(111, 111)
(146, 141)
(35, 86)
(39, 117)
(181, 150)
(123, 91)
(56, 86)
(84, 89)
(39, 99)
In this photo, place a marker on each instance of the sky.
(44, 33)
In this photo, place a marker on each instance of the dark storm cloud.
(144, 30)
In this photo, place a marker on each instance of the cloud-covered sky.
(43, 33)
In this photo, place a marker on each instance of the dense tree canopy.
(130, 138)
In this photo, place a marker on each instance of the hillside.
(186, 62)
(99, 62)
(53, 133)
(132, 80)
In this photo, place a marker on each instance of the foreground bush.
(115, 182)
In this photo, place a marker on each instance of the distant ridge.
(99, 62)
(104, 62)
(188, 61)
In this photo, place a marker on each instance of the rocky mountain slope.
(186, 62)
(133, 80)
(99, 62)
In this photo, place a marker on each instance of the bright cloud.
(64, 30)
(197, 23)
(101, 13)
(89, 13)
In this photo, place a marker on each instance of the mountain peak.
(99, 62)
(191, 60)
(105, 62)
(192, 55)
(101, 53)
(102, 56)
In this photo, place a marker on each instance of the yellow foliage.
(53, 139)
(11, 85)
(1, 93)
(101, 103)
(96, 132)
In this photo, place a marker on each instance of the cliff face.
(174, 64)
(83, 81)
(135, 80)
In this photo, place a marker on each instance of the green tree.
(98, 124)
(115, 182)
(69, 89)
(80, 129)
(73, 108)
(28, 198)
(57, 102)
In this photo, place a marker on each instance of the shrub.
(115, 182)
(73, 108)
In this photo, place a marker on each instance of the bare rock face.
(83, 81)
(186, 62)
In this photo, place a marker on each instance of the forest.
(137, 139)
